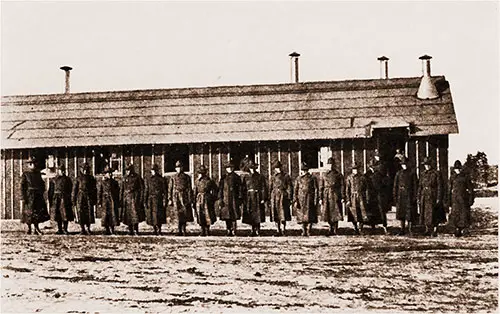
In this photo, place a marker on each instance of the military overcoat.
(85, 198)
(60, 189)
(155, 197)
(230, 197)
(405, 195)
(356, 199)
(254, 191)
(306, 196)
(34, 206)
(131, 200)
(430, 197)
(331, 193)
(108, 200)
(181, 195)
(461, 197)
(205, 192)
(281, 188)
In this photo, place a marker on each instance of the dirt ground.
(346, 273)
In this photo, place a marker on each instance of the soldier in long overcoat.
(355, 198)
(461, 197)
(281, 188)
(230, 198)
(332, 193)
(155, 198)
(405, 196)
(254, 198)
(108, 200)
(430, 198)
(372, 188)
(61, 208)
(180, 196)
(85, 198)
(381, 185)
(34, 206)
(305, 200)
(131, 200)
(205, 193)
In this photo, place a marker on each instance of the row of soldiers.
(366, 197)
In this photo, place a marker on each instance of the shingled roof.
(299, 111)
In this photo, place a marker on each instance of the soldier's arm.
(321, 187)
(265, 194)
(316, 191)
(395, 186)
(470, 187)
(75, 190)
(342, 187)
(296, 191)
(440, 187)
(289, 185)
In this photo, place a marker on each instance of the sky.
(122, 45)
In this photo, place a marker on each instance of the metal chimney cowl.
(427, 89)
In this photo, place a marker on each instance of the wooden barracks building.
(294, 122)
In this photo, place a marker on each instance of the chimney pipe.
(427, 89)
(294, 67)
(384, 67)
(66, 69)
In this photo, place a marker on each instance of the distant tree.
(477, 167)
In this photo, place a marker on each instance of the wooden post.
(191, 163)
(289, 159)
(12, 185)
(219, 160)
(269, 160)
(76, 163)
(437, 158)
(364, 154)
(210, 159)
(417, 166)
(342, 157)
(152, 154)
(300, 157)
(258, 156)
(142, 161)
(279, 151)
(163, 159)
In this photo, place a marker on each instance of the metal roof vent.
(427, 89)
(66, 69)
(384, 67)
(294, 67)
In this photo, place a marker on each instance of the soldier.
(331, 197)
(306, 200)
(254, 198)
(60, 189)
(85, 198)
(205, 193)
(180, 196)
(430, 199)
(131, 199)
(230, 195)
(32, 189)
(461, 197)
(281, 195)
(155, 197)
(374, 190)
(108, 199)
(405, 196)
(355, 198)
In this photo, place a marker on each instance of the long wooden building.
(295, 122)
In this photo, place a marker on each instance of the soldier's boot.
(435, 231)
(305, 230)
(136, 229)
(29, 229)
(465, 232)
(427, 231)
(59, 228)
(402, 231)
(203, 231)
(159, 229)
(310, 229)
(361, 227)
(384, 226)
(208, 230)
(184, 232)
(410, 230)
(179, 229)
(108, 231)
(278, 225)
(235, 227)
(284, 227)
(83, 232)
(37, 230)
(65, 228)
(254, 232)
(112, 229)
(356, 230)
(88, 228)
(131, 230)
(458, 232)
(229, 231)
(332, 230)
(155, 230)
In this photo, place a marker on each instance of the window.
(239, 153)
(173, 153)
(315, 155)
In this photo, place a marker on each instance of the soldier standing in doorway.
(180, 196)
(281, 195)
(230, 196)
(205, 193)
(32, 189)
(60, 189)
(405, 196)
(332, 196)
(462, 198)
(131, 199)
(430, 198)
(155, 197)
(306, 195)
(108, 199)
(85, 198)
(355, 199)
(254, 198)
(377, 201)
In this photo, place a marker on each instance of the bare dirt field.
(346, 273)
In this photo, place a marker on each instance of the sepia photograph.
(249, 156)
